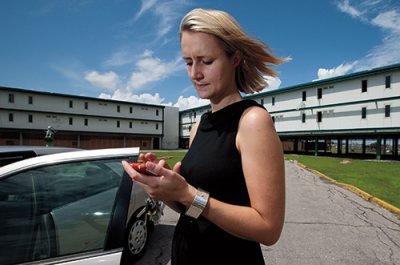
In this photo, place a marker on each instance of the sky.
(129, 49)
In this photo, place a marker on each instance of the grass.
(172, 157)
(381, 179)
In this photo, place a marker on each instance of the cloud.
(389, 20)
(167, 13)
(150, 69)
(190, 102)
(336, 71)
(146, 5)
(124, 95)
(120, 58)
(109, 80)
(345, 7)
(378, 13)
(273, 83)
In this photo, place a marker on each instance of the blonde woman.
(230, 186)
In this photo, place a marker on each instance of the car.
(13, 153)
(76, 207)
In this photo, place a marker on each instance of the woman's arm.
(263, 167)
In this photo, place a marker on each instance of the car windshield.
(57, 210)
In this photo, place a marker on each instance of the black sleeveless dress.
(213, 164)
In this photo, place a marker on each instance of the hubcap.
(137, 237)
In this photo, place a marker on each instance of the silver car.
(76, 207)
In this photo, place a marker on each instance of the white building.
(84, 122)
(357, 113)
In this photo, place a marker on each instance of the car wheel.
(137, 237)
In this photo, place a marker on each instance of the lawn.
(170, 156)
(381, 179)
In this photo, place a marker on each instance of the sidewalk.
(327, 224)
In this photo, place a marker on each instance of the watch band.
(198, 204)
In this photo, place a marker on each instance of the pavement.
(325, 224)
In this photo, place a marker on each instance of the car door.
(66, 208)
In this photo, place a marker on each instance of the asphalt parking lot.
(325, 224)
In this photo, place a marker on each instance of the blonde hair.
(256, 57)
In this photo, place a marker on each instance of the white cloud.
(109, 80)
(273, 83)
(167, 13)
(151, 69)
(124, 95)
(379, 14)
(345, 7)
(389, 20)
(336, 71)
(190, 102)
(146, 5)
(120, 58)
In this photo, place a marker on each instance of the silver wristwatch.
(198, 204)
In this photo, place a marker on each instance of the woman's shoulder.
(256, 116)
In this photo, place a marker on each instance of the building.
(352, 115)
(84, 122)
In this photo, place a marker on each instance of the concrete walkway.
(325, 224)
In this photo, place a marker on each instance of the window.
(387, 110)
(157, 112)
(388, 81)
(303, 117)
(363, 113)
(304, 96)
(118, 124)
(11, 98)
(273, 101)
(130, 124)
(262, 101)
(86, 122)
(273, 119)
(30, 100)
(319, 116)
(118, 108)
(71, 104)
(71, 121)
(364, 85)
(130, 110)
(10, 117)
(34, 202)
(30, 118)
(156, 126)
(319, 93)
(86, 105)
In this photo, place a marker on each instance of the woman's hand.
(168, 185)
(153, 158)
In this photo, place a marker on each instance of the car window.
(57, 210)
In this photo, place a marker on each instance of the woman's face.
(210, 69)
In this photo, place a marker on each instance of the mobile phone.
(141, 168)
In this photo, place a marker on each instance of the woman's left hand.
(168, 185)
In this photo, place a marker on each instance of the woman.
(230, 186)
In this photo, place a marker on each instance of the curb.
(366, 196)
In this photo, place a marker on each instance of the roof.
(317, 83)
(76, 96)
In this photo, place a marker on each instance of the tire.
(137, 238)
